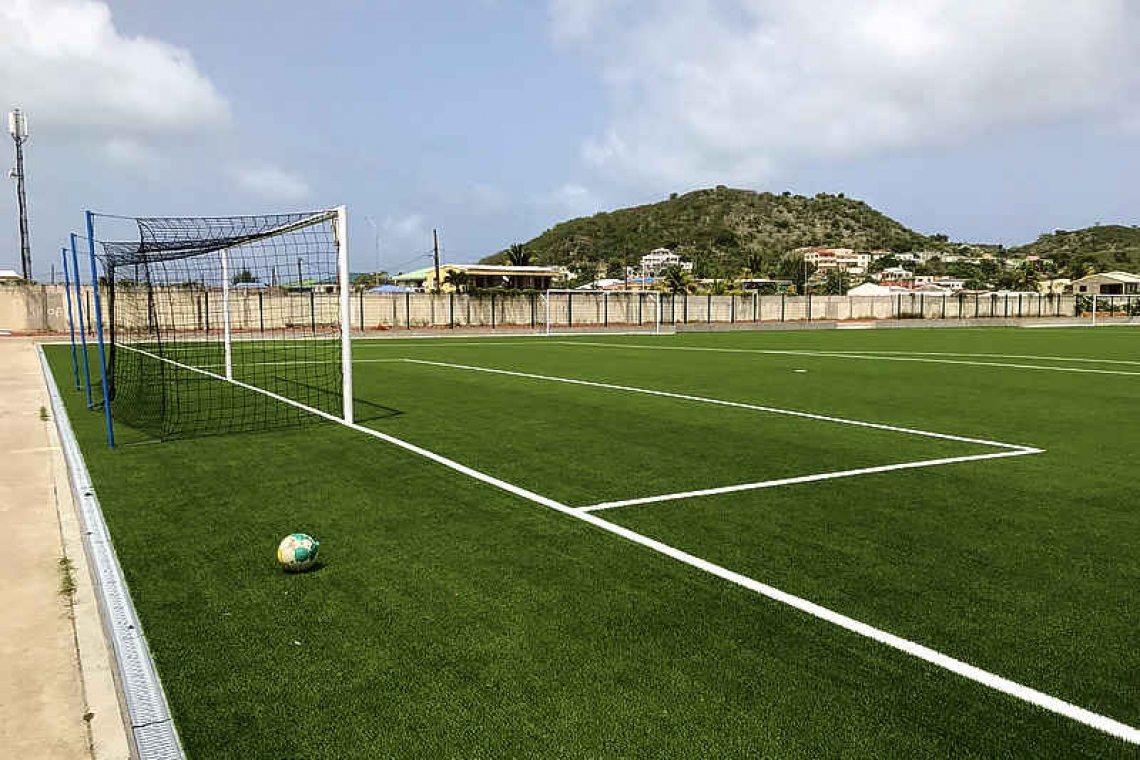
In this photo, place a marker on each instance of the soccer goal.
(1110, 309)
(224, 324)
(585, 310)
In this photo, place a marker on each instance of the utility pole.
(435, 249)
(18, 128)
(376, 238)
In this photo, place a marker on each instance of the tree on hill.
(1080, 267)
(369, 280)
(244, 276)
(676, 280)
(1027, 276)
(837, 283)
(797, 270)
(884, 262)
(754, 264)
(518, 255)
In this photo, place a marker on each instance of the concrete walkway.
(46, 710)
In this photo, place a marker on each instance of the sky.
(493, 120)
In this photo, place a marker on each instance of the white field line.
(1082, 359)
(438, 342)
(299, 361)
(500, 335)
(806, 479)
(971, 672)
(868, 355)
(735, 404)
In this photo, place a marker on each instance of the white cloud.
(708, 91)
(404, 242)
(406, 228)
(75, 74)
(271, 183)
(130, 154)
(486, 199)
(572, 200)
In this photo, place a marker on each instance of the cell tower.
(18, 128)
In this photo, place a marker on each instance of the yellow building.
(482, 277)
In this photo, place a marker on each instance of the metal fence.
(42, 309)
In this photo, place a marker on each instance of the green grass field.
(453, 618)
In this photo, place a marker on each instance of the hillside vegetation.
(1104, 248)
(724, 230)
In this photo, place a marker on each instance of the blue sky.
(492, 120)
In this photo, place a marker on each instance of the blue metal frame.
(82, 323)
(99, 328)
(70, 320)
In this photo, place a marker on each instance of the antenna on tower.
(18, 128)
(18, 124)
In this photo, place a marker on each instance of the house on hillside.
(658, 259)
(896, 275)
(1108, 284)
(847, 259)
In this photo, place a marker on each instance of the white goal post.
(604, 310)
(345, 282)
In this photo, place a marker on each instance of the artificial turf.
(452, 619)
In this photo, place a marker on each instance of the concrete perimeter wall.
(43, 308)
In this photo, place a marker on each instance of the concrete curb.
(107, 732)
(152, 732)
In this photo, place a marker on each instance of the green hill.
(724, 230)
(1105, 247)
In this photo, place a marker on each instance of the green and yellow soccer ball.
(297, 552)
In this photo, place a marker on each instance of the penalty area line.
(869, 355)
(722, 402)
(971, 672)
(807, 479)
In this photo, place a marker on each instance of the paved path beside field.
(43, 695)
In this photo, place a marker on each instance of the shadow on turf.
(129, 433)
(315, 568)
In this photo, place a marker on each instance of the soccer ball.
(297, 552)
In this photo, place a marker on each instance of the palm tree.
(457, 278)
(517, 256)
(675, 279)
(754, 263)
(837, 283)
(1027, 276)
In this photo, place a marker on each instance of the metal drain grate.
(152, 729)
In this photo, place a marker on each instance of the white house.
(871, 289)
(659, 258)
(9, 275)
(1108, 284)
(896, 274)
(953, 284)
(846, 259)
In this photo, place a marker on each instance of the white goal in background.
(606, 310)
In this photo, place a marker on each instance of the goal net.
(592, 310)
(227, 324)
